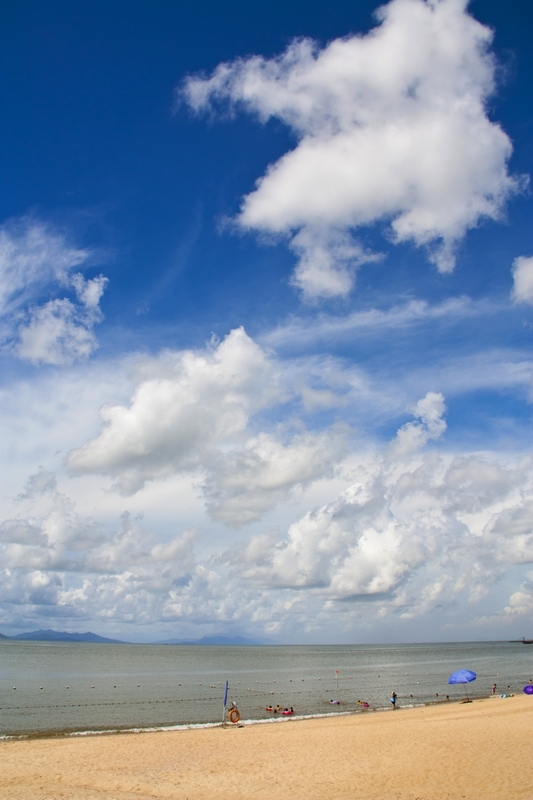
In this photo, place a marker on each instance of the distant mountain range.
(62, 636)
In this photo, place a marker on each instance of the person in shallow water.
(393, 701)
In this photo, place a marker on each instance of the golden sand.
(478, 751)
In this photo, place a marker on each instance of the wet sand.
(475, 751)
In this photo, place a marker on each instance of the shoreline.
(117, 731)
(443, 751)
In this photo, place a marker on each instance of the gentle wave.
(199, 725)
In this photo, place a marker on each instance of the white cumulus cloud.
(58, 332)
(190, 403)
(59, 563)
(392, 128)
(196, 412)
(246, 482)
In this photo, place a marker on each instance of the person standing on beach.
(393, 701)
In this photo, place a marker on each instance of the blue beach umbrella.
(463, 676)
(528, 689)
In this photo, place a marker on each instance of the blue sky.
(266, 277)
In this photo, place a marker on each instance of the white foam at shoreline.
(200, 725)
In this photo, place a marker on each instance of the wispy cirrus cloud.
(36, 260)
(523, 280)
(33, 255)
(302, 332)
(387, 132)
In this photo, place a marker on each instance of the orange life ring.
(234, 715)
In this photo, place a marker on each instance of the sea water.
(49, 688)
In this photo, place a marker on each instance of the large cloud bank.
(392, 128)
(416, 531)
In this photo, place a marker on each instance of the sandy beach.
(473, 751)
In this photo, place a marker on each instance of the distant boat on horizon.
(213, 640)
(523, 640)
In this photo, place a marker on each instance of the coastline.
(434, 752)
